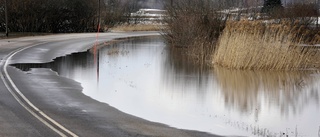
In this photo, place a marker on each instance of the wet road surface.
(60, 98)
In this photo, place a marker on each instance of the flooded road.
(142, 78)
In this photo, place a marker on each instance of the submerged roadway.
(41, 103)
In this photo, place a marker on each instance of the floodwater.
(142, 78)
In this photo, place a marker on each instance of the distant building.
(147, 16)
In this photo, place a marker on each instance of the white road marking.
(54, 123)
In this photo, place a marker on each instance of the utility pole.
(318, 10)
(99, 16)
(6, 16)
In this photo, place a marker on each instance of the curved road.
(40, 103)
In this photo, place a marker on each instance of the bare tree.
(201, 22)
(50, 15)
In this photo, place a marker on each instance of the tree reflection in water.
(274, 100)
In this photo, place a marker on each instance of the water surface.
(142, 78)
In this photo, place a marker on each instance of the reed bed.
(258, 45)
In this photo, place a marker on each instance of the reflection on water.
(141, 77)
(290, 91)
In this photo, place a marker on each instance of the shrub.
(270, 6)
(194, 25)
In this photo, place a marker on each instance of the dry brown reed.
(267, 46)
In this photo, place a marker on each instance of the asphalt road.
(40, 103)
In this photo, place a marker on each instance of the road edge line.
(5, 65)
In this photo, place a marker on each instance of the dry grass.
(262, 46)
(137, 27)
(22, 34)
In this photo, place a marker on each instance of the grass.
(22, 34)
(137, 27)
(261, 46)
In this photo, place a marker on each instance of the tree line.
(50, 15)
(58, 16)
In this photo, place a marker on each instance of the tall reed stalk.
(265, 46)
